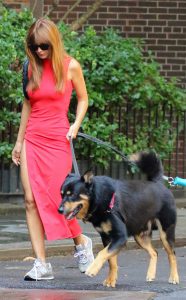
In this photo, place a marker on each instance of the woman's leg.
(80, 239)
(83, 252)
(34, 223)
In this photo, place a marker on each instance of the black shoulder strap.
(25, 78)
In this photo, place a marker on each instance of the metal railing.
(128, 120)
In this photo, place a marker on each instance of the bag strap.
(25, 78)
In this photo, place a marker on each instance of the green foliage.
(117, 76)
(13, 27)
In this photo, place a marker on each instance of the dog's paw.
(110, 281)
(151, 273)
(150, 279)
(174, 279)
(92, 270)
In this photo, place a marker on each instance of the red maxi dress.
(48, 152)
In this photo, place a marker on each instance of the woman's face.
(42, 49)
(42, 52)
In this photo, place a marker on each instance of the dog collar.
(111, 204)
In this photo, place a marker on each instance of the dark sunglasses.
(34, 47)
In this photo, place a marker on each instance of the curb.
(17, 208)
(19, 253)
(14, 209)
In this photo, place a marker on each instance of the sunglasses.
(34, 47)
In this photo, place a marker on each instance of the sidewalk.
(15, 244)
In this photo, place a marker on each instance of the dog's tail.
(149, 164)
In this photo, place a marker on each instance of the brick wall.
(16, 4)
(161, 23)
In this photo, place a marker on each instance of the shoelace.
(37, 264)
(82, 256)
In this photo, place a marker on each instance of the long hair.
(46, 31)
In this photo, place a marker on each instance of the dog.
(120, 209)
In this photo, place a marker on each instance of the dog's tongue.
(74, 212)
(70, 216)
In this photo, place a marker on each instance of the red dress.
(48, 152)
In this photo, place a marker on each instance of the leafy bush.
(118, 77)
(13, 28)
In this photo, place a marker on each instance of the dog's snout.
(61, 209)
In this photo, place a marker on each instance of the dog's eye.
(68, 193)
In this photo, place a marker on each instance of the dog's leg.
(99, 261)
(114, 236)
(112, 277)
(111, 280)
(144, 241)
(174, 277)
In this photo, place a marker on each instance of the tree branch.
(34, 6)
(53, 6)
(78, 24)
(1, 6)
(70, 9)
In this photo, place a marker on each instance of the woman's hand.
(73, 131)
(16, 152)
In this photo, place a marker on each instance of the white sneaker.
(84, 254)
(40, 271)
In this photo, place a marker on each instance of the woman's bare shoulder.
(74, 68)
(74, 64)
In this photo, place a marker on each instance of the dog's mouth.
(70, 215)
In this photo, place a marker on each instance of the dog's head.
(75, 192)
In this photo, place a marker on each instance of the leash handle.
(180, 181)
(74, 161)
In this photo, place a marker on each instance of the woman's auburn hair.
(45, 31)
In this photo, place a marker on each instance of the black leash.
(74, 161)
(172, 181)
(99, 142)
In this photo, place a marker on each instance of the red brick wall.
(161, 23)
(16, 4)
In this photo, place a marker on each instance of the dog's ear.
(87, 177)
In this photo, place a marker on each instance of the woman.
(42, 148)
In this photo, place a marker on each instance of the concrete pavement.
(69, 284)
(68, 280)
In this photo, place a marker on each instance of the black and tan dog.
(120, 209)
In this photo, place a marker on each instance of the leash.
(99, 142)
(74, 161)
(107, 145)
(172, 181)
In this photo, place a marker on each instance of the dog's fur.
(139, 206)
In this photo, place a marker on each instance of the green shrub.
(13, 28)
(117, 76)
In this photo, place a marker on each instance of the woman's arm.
(20, 137)
(76, 75)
